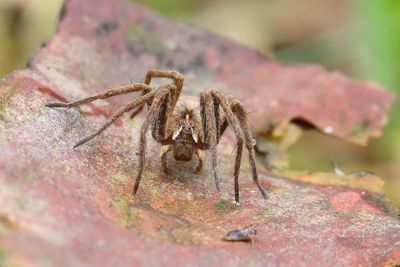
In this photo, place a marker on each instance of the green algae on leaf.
(360, 129)
(124, 210)
(3, 257)
(382, 202)
(225, 205)
(31, 176)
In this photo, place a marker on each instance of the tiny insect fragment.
(240, 235)
(360, 173)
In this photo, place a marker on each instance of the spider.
(184, 125)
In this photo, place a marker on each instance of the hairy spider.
(185, 125)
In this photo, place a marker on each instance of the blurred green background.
(360, 38)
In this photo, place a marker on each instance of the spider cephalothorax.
(182, 124)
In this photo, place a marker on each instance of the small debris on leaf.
(359, 173)
(240, 235)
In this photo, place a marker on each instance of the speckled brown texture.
(72, 207)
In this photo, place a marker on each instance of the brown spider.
(186, 127)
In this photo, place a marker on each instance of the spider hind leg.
(241, 114)
(236, 116)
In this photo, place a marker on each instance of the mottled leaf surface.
(72, 207)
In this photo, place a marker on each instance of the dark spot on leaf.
(360, 128)
(63, 11)
(382, 202)
(302, 123)
(29, 63)
(198, 61)
(107, 26)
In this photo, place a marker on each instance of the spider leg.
(154, 108)
(106, 94)
(173, 75)
(210, 131)
(160, 127)
(137, 102)
(160, 124)
(163, 156)
(224, 124)
(200, 155)
(239, 136)
(240, 112)
(217, 117)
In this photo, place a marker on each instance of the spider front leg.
(173, 75)
(106, 94)
(163, 157)
(135, 103)
(150, 118)
(102, 95)
(167, 148)
(200, 155)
